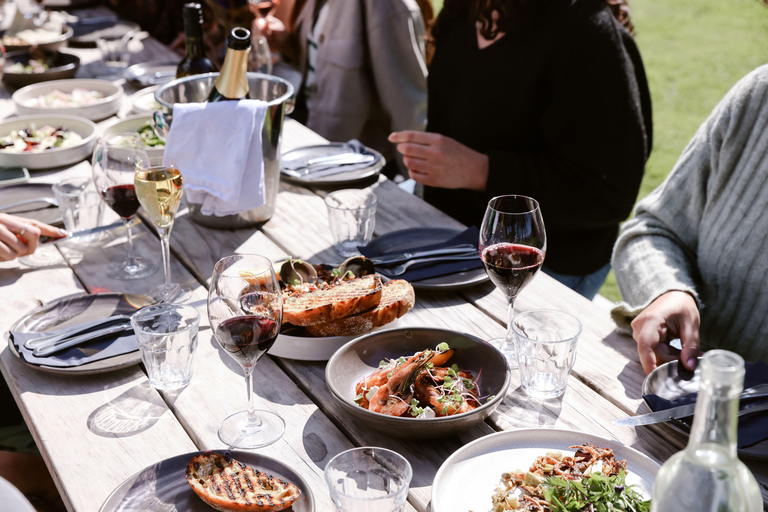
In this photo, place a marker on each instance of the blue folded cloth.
(421, 271)
(753, 428)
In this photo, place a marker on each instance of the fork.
(400, 269)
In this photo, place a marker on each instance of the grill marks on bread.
(229, 485)
(340, 301)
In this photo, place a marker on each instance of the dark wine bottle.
(232, 83)
(194, 62)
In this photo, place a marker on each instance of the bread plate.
(56, 157)
(360, 357)
(132, 124)
(479, 464)
(102, 109)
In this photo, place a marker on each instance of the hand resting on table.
(19, 236)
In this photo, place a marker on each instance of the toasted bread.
(229, 485)
(339, 301)
(397, 298)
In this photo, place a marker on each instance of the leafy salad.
(34, 140)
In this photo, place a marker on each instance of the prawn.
(394, 398)
(446, 402)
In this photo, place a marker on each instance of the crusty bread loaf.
(229, 485)
(339, 301)
(397, 298)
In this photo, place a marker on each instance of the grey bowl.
(358, 358)
(61, 66)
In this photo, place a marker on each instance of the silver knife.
(400, 258)
(71, 342)
(683, 411)
(86, 232)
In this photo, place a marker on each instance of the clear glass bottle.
(707, 476)
(232, 82)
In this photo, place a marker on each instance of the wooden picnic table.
(96, 431)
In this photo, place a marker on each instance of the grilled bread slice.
(397, 298)
(229, 485)
(339, 301)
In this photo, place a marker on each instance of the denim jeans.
(587, 285)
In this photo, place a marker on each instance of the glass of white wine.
(159, 186)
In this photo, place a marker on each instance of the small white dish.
(107, 106)
(57, 157)
(132, 124)
(144, 101)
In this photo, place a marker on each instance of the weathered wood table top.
(96, 431)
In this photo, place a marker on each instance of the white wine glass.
(512, 245)
(114, 162)
(159, 187)
(245, 310)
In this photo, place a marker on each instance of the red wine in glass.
(513, 243)
(122, 199)
(247, 338)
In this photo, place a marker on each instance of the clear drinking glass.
(114, 51)
(159, 187)
(513, 243)
(352, 216)
(80, 205)
(545, 341)
(368, 480)
(114, 165)
(245, 309)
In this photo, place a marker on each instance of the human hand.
(19, 236)
(272, 29)
(439, 161)
(673, 314)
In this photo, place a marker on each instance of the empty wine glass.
(513, 243)
(245, 310)
(114, 162)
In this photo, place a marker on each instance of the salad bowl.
(55, 156)
(93, 109)
(60, 66)
(152, 145)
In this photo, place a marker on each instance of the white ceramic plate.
(478, 466)
(132, 124)
(57, 157)
(144, 101)
(107, 106)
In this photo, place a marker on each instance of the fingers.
(47, 229)
(689, 337)
(648, 337)
(10, 245)
(416, 137)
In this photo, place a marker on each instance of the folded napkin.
(753, 428)
(217, 147)
(353, 146)
(421, 271)
(96, 350)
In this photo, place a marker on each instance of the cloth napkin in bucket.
(217, 147)
(753, 428)
(418, 271)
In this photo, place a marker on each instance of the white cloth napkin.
(217, 147)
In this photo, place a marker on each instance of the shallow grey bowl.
(360, 357)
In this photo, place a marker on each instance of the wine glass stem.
(253, 421)
(131, 260)
(510, 345)
(165, 244)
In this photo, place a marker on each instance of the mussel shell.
(297, 272)
(359, 266)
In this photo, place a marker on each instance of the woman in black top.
(544, 98)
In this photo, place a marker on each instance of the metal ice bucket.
(278, 94)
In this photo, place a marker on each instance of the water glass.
(368, 480)
(352, 216)
(80, 205)
(545, 341)
(167, 335)
(114, 51)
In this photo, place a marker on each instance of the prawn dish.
(419, 386)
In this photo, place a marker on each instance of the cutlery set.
(324, 165)
(401, 262)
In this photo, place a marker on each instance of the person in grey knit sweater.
(692, 263)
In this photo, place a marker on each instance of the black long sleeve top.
(562, 109)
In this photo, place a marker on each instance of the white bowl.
(108, 106)
(144, 101)
(57, 157)
(132, 124)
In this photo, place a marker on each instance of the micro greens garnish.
(595, 492)
(442, 347)
(415, 409)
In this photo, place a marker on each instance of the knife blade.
(87, 232)
(683, 411)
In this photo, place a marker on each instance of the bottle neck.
(193, 29)
(232, 83)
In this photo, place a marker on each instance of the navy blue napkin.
(421, 271)
(753, 428)
(95, 350)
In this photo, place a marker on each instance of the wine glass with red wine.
(114, 161)
(513, 243)
(245, 309)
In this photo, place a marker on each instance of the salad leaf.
(603, 493)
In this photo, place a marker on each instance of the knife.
(683, 411)
(400, 258)
(86, 232)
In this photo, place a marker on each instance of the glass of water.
(114, 51)
(167, 335)
(368, 480)
(352, 216)
(80, 205)
(545, 341)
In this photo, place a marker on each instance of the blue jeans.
(587, 285)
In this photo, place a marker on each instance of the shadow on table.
(519, 410)
(129, 414)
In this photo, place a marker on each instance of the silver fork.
(400, 269)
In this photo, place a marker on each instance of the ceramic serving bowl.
(56, 157)
(60, 66)
(102, 109)
(359, 358)
(53, 45)
(144, 101)
(133, 124)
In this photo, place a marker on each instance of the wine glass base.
(173, 292)
(140, 269)
(508, 349)
(236, 432)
